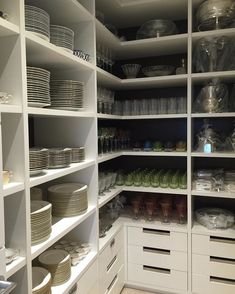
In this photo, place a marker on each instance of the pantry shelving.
(23, 126)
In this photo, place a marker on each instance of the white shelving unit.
(56, 127)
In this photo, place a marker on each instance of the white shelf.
(104, 36)
(54, 112)
(224, 76)
(76, 273)
(201, 230)
(156, 82)
(221, 194)
(116, 227)
(108, 116)
(109, 196)
(214, 154)
(212, 115)
(12, 188)
(52, 174)
(156, 116)
(152, 153)
(43, 53)
(109, 156)
(107, 79)
(153, 47)
(7, 28)
(155, 190)
(216, 33)
(14, 266)
(60, 227)
(9, 108)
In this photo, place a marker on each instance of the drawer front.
(157, 257)
(157, 239)
(210, 285)
(157, 277)
(107, 275)
(213, 246)
(116, 285)
(213, 266)
(89, 281)
(111, 250)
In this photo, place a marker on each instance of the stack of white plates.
(58, 263)
(78, 154)
(59, 157)
(37, 21)
(40, 221)
(68, 199)
(67, 94)
(62, 37)
(38, 87)
(38, 160)
(41, 280)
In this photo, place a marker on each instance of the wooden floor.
(133, 291)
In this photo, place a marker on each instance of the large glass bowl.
(158, 70)
(215, 218)
(215, 14)
(156, 28)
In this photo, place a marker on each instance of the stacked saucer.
(67, 94)
(38, 160)
(41, 280)
(58, 263)
(38, 87)
(59, 157)
(78, 154)
(68, 199)
(37, 21)
(40, 220)
(62, 37)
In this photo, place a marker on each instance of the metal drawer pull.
(222, 240)
(222, 260)
(157, 250)
(111, 263)
(156, 232)
(221, 280)
(156, 269)
(112, 283)
(112, 243)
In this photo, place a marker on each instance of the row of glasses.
(152, 205)
(153, 178)
(104, 57)
(105, 100)
(112, 140)
(171, 105)
(107, 181)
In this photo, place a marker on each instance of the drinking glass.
(162, 105)
(181, 105)
(172, 105)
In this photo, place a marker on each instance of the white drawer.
(209, 285)
(88, 283)
(107, 274)
(162, 258)
(111, 250)
(157, 277)
(213, 246)
(157, 238)
(116, 285)
(213, 266)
